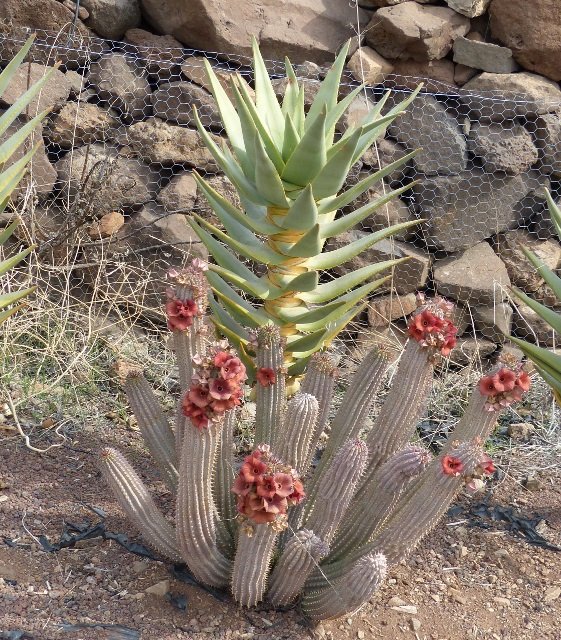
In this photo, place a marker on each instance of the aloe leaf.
(224, 290)
(237, 313)
(265, 98)
(4, 315)
(243, 241)
(303, 214)
(555, 212)
(11, 298)
(335, 171)
(239, 344)
(267, 179)
(291, 137)
(17, 169)
(552, 381)
(343, 284)
(335, 114)
(553, 319)
(9, 263)
(309, 245)
(299, 367)
(299, 115)
(6, 233)
(290, 99)
(226, 319)
(303, 282)
(553, 280)
(294, 315)
(309, 157)
(544, 358)
(303, 344)
(11, 68)
(233, 268)
(331, 259)
(328, 93)
(9, 146)
(345, 198)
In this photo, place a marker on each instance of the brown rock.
(493, 321)
(484, 55)
(175, 102)
(384, 152)
(179, 194)
(463, 74)
(504, 147)
(410, 73)
(476, 276)
(520, 430)
(385, 309)
(533, 33)
(194, 70)
(469, 8)
(80, 123)
(107, 225)
(111, 18)
(368, 66)
(528, 325)
(548, 141)
(410, 30)
(161, 54)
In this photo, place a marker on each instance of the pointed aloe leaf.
(243, 241)
(299, 115)
(304, 344)
(237, 312)
(11, 68)
(227, 321)
(343, 284)
(334, 173)
(298, 367)
(230, 117)
(345, 198)
(344, 303)
(9, 146)
(328, 93)
(290, 99)
(309, 157)
(303, 214)
(553, 280)
(553, 319)
(265, 98)
(11, 298)
(555, 212)
(337, 112)
(233, 269)
(331, 259)
(554, 383)
(307, 281)
(291, 137)
(4, 315)
(225, 210)
(15, 170)
(295, 315)
(9, 263)
(267, 179)
(309, 245)
(224, 290)
(6, 233)
(544, 358)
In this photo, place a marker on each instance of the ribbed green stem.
(225, 476)
(337, 488)
(136, 502)
(252, 564)
(196, 512)
(300, 557)
(349, 592)
(154, 427)
(319, 380)
(368, 514)
(293, 441)
(270, 400)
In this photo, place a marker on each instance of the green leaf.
(345, 198)
(291, 137)
(555, 212)
(10, 177)
(330, 259)
(12, 66)
(4, 315)
(304, 344)
(554, 383)
(553, 319)
(306, 281)
(334, 173)
(303, 214)
(267, 180)
(6, 233)
(295, 315)
(224, 290)
(11, 298)
(227, 321)
(265, 99)
(290, 100)
(335, 114)
(544, 358)
(299, 115)
(309, 156)
(346, 222)
(243, 241)
(298, 367)
(9, 146)
(10, 263)
(309, 245)
(343, 284)
(237, 312)
(553, 280)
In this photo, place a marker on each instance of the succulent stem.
(225, 475)
(293, 441)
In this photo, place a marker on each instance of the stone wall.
(114, 172)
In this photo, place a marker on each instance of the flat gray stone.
(469, 8)
(504, 147)
(493, 321)
(484, 55)
(179, 194)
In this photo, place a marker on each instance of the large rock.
(383, 310)
(503, 148)
(384, 152)
(408, 276)
(175, 101)
(484, 55)
(52, 96)
(111, 18)
(498, 96)
(548, 141)
(121, 82)
(80, 123)
(532, 31)
(162, 55)
(470, 351)
(427, 124)
(302, 30)
(410, 30)
(179, 194)
(108, 181)
(522, 274)
(476, 276)
(194, 70)
(41, 172)
(159, 142)
(527, 324)
(462, 210)
(493, 321)
(469, 8)
(368, 66)
(432, 73)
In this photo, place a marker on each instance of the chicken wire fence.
(112, 183)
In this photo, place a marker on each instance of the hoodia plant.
(271, 524)
(290, 169)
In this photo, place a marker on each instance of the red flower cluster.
(504, 387)
(266, 488)
(216, 387)
(266, 376)
(180, 313)
(431, 328)
(452, 466)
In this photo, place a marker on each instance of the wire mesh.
(113, 179)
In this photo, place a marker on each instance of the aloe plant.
(289, 169)
(546, 361)
(12, 174)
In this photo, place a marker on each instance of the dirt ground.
(471, 578)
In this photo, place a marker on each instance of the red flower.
(504, 380)
(220, 389)
(198, 394)
(180, 314)
(487, 465)
(267, 488)
(276, 504)
(266, 376)
(452, 466)
(284, 484)
(241, 487)
(233, 369)
(449, 343)
(252, 469)
(297, 494)
(199, 420)
(221, 358)
(523, 381)
(487, 386)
